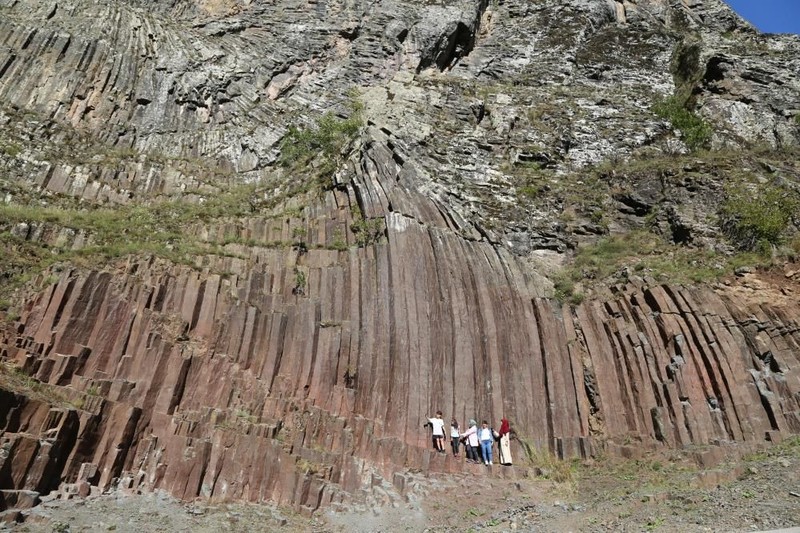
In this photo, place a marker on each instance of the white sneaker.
(491, 463)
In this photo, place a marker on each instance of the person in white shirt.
(437, 424)
(454, 436)
(487, 441)
(471, 440)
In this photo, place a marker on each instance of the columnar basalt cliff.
(259, 327)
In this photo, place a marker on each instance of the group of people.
(478, 442)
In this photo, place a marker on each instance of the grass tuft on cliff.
(15, 380)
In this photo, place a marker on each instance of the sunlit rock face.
(295, 356)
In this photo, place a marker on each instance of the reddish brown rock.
(243, 390)
(302, 374)
(18, 499)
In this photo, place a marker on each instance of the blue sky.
(770, 16)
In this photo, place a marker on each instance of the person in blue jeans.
(487, 441)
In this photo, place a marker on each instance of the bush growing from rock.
(696, 132)
(757, 219)
(318, 149)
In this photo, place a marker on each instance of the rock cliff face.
(287, 345)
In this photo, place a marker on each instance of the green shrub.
(367, 231)
(319, 148)
(299, 282)
(793, 248)
(696, 132)
(10, 149)
(757, 219)
(307, 467)
(338, 241)
(529, 191)
(564, 287)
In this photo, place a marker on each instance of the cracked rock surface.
(277, 330)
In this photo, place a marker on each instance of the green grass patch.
(338, 242)
(615, 258)
(754, 214)
(550, 467)
(530, 179)
(581, 192)
(786, 448)
(162, 229)
(14, 379)
(623, 477)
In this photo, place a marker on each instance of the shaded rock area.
(294, 357)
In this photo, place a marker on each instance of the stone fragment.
(18, 499)
(11, 516)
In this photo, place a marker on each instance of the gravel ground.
(759, 492)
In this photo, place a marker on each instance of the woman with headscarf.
(505, 442)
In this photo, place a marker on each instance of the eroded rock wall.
(302, 373)
(236, 385)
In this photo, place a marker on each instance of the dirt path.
(759, 492)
